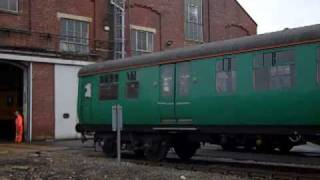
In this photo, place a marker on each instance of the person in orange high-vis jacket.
(19, 127)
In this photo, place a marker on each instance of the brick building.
(44, 43)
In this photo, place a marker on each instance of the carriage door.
(182, 93)
(175, 101)
(167, 92)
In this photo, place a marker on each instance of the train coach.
(259, 92)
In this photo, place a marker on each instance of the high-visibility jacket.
(19, 128)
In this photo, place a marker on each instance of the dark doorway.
(11, 99)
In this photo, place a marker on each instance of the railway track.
(253, 170)
(295, 166)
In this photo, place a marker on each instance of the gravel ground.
(85, 164)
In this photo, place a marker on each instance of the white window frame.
(68, 45)
(149, 48)
(193, 26)
(8, 7)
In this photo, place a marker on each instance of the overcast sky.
(274, 15)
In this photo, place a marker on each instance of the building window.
(193, 20)
(226, 75)
(109, 87)
(141, 42)
(318, 65)
(74, 36)
(274, 70)
(132, 85)
(184, 78)
(9, 5)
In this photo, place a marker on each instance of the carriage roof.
(287, 37)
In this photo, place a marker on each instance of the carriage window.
(226, 75)
(274, 70)
(132, 85)
(109, 87)
(184, 79)
(167, 81)
(318, 65)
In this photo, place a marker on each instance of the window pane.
(71, 30)
(150, 42)
(284, 57)
(108, 87)
(13, 5)
(167, 81)
(281, 77)
(258, 61)
(267, 59)
(4, 4)
(184, 79)
(261, 78)
(219, 66)
(221, 81)
(77, 29)
(132, 89)
(142, 40)
(226, 75)
(63, 29)
(133, 41)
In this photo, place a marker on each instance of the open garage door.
(11, 98)
(66, 90)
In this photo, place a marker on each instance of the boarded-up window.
(226, 75)
(167, 81)
(109, 87)
(274, 70)
(184, 78)
(132, 85)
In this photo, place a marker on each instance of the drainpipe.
(30, 101)
(30, 22)
(94, 24)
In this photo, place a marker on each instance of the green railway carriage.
(260, 91)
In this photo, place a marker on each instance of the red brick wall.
(43, 101)
(167, 17)
(229, 20)
(222, 19)
(44, 20)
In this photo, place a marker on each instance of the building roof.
(287, 37)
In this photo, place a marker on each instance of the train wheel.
(109, 147)
(139, 153)
(285, 148)
(156, 150)
(286, 144)
(228, 143)
(264, 145)
(185, 150)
